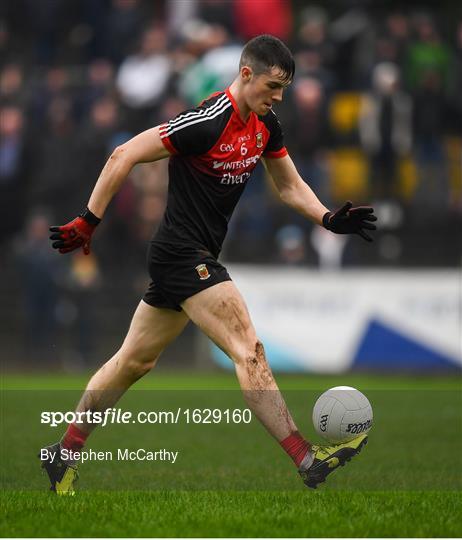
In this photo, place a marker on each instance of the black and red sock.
(296, 447)
(74, 438)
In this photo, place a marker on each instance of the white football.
(341, 414)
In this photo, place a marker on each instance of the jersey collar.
(236, 108)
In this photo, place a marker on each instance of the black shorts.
(178, 272)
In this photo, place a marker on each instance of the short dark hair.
(262, 53)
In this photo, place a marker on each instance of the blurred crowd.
(374, 115)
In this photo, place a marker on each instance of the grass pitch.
(233, 480)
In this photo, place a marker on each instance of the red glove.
(75, 234)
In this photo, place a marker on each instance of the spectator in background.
(397, 31)
(38, 269)
(14, 171)
(390, 42)
(195, 39)
(337, 50)
(314, 51)
(57, 147)
(137, 211)
(98, 83)
(82, 283)
(171, 107)
(12, 87)
(99, 136)
(329, 248)
(215, 67)
(429, 120)
(14, 33)
(124, 23)
(255, 220)
(455, 126)
(385, 130)
(455, 118)
(55, 85)
(427, 53)
(385, 51)
(50, 23)
(139, 205)
(55, 293)
(273, 17)
(178, 13)
(217, 12)
(291, 245)
(143, 79)
(353, 35)
(365, 38)
(307, 131)
(150, 207)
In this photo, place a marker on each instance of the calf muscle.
(221, 313)
(151, 330)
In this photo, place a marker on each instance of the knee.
(251, 354)
(137, 368)
(253, 369)
(135, 364)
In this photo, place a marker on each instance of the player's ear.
(246, 73)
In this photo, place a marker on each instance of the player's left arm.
(293, 190)
(296, 193)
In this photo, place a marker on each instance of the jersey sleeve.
(195, 131)
(275, 147)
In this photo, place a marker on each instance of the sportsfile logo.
(323, 422)
(118, 416)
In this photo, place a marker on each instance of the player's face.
(264, 90)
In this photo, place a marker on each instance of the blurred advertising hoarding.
(331, 322)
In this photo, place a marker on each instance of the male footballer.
(212, 152)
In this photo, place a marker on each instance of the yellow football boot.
(62, 475)
(329, 458)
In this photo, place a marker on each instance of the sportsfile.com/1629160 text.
(118, 416)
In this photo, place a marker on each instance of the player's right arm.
(145, 147)
(191, 132)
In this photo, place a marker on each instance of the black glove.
(349, 220)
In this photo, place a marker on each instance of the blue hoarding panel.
(385, 348)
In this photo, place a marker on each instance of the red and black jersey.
(213, 155)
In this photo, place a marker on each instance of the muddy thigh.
(220, 312)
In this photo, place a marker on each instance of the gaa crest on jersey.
(202, 271)
(259, 137)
